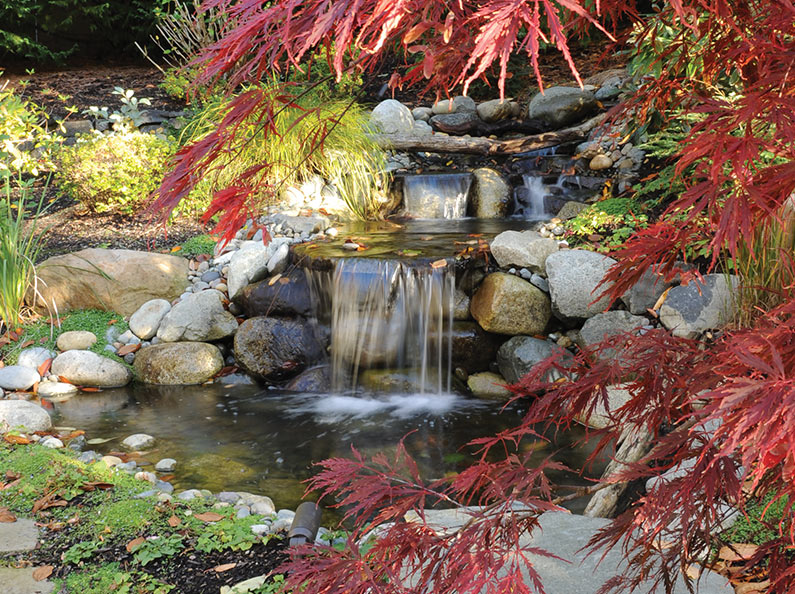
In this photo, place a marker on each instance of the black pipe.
(305, 524)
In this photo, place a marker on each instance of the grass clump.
(200, 244)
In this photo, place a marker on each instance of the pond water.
(245, 438)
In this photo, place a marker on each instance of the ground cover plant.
(736, 166)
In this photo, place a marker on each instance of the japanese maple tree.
(727, 410)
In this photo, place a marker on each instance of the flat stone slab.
(18, 536)
(564, 534)
(20, 581)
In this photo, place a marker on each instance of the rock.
(279, 260)
(248, 264)
(690, 310)
(600, 162)
(490, 195)
(644, 294)
(138, 441)
(392, 117)
(200, 317)
(455, 105)
(473, 348)
(84, 368)
(521, 353)
(300, 225)
(525, 249)
(178, 363)
(273, 348)
(506, 304)
(455, 123)
(17, 537)
(606, 325)
(35, 357)
(561, 106)
(263, 508)
(166, 465)
(21, 581)
(290, 297)
(110, 280)
(461, 306)
(21, 413)
(56, 390)
(314, 380)
(18, 377)
(51, 442)
(573, 277)
(146, 319)
(617, 396)
(422, 128)
(489, 385)
(421, 114)
(495, 110)
(571, 209)
(76, 340)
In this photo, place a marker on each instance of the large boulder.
(607, 325)
(644, 294)
(690, 310)
(85, 368)
(490, 195)
(506, 304)
(521, 353)
(111, 280)
(35, 357)
(21, 413)
(523, 249)
(473, 348)
(573, 277)
(561, 106)
(312, 380)
(251, 262)
(76, 340)
(275, 349)
(392, 117)
(200, 317)
(178, 363)
(18, 377)
(146, 319)
(290, 296)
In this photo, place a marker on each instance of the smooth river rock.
(290, 297)
(561, 106)
(275, 349)
(147, 318)
(392, 117)
(607, 325)
(523, 249)
(495, 110)
(18, 377)
(86, 368)
(490, 195)
(21, 413)
(178, 363)
(489, 385)
(473, 348)
(76, 340)
(506, 304)
(199, 317)
(521, 353)
(35, 357)
(573, 277)
(690, 310)
(111, 280)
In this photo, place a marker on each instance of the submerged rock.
(274, 349)
(178, 363)
(473, 348)
(288, 297)
(506, 304)
(314, 380)
(521, 353)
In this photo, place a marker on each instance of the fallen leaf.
(209, 517)
(174, 521)
(73, 434)
(6, 517)
(284, 281)
(88, 389)
(43, 340)
(48, 501)
(752, 587)
(737, 551)
(96, 485)
(113, 321)
(11, 475)
(99, 440)
(16, 439)
(176, 248)
(26, 344)
(439, 263)
(45, 367)
(63, 380)
(134, 544)
(127, 349)
(274, 279)
(224, 567)
(43, 572)
(167, 477)
(661, 300)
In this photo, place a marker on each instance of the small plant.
(112, 578)
(227, 534)
(155, 548)
(80, 551)
(608, 223)
(200, 244)
(129, 115)
(113, 172)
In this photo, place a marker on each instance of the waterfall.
(387, 314)
(530, 198)
(436, 196)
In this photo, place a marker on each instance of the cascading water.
(530, 198)
(387, 314)
(436, 196)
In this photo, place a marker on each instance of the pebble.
(126, 337)
(243, 512)
(189, 495)
(111, 461)
(260, 529)
(285, 514)
(350, 246)
(138, 441)
(129, 358)
(149, 477)
(262, 508)
(200, 286)
(77, 444)
(228, 496)
(89, 457)
(164, 487)
(222, 287)
(51, 442)
(127, 466)
(539, 282)
(166, 465)
(600, 162)
(281, 525)
(525, 274)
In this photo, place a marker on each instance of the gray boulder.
(34, 357)
(392, 117)
(178, 363)
(521, 353)
(606, 325)
(573, 277)
(490, 195)
(85, 368)
(200, 317)
(523, 249)
(690, 310)
(21, 413)
(275, 349)
(146, 319)
(561, 106)
(455, 123)
(313, 380)
(571, 209)
(457, 104)
(248, 264)
(18, 377)
(644, 294)
(495, 110)
(506, 304)
(473, 348)
(617, 396)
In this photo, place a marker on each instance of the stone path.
(18, 537)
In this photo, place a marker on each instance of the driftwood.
(434, 143)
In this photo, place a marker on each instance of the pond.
(245, 438)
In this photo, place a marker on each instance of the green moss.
(201, 244)
(760, 525)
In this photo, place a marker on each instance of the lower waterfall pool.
(246, 438)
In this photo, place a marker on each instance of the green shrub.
(200, 244)
(614, 220)
(113, 172)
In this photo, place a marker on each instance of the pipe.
(305, 524)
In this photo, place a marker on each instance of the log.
(434, 143)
